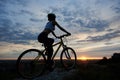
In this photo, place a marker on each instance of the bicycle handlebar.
(63, 36)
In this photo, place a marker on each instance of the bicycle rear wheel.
(31, 63)
(68, 58)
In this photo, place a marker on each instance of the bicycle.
(32, 62)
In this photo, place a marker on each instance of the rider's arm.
(54, 34)
(61, 28)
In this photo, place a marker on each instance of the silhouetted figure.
(43, 36)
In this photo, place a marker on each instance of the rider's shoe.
(50, 65)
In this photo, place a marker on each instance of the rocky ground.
(85, 70)
(58, 74)
(8, 72)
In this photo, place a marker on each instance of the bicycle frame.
(60, 43)
(32, 62)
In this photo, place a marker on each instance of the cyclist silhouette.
(43, 36)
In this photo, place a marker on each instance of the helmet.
(51, 16)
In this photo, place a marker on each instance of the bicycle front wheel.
(68, 58)
(31, 63)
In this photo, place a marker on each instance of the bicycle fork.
(67, 55)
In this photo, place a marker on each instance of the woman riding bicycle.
(43, 36)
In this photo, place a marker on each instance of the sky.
(94, 25)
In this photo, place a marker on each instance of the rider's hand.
(58, 37)
(68, 34)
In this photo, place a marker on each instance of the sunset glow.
(84, 58)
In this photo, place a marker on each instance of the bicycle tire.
(31, 63)
(68, 58)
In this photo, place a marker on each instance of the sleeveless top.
(50, 26)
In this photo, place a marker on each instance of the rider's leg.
(49, 49)
(48, 45)
(43, 38)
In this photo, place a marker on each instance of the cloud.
(12, 50)
(4, 22)
(106, 37)
(81, 19)
(2, 8)
(14, 22)
(27, 12)
(78, 17)
(18, 2)
(97, 24)
(116, 7)
(110, 48)
(14, 33)
(35, 20)
(85, 19)
(99, 50)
